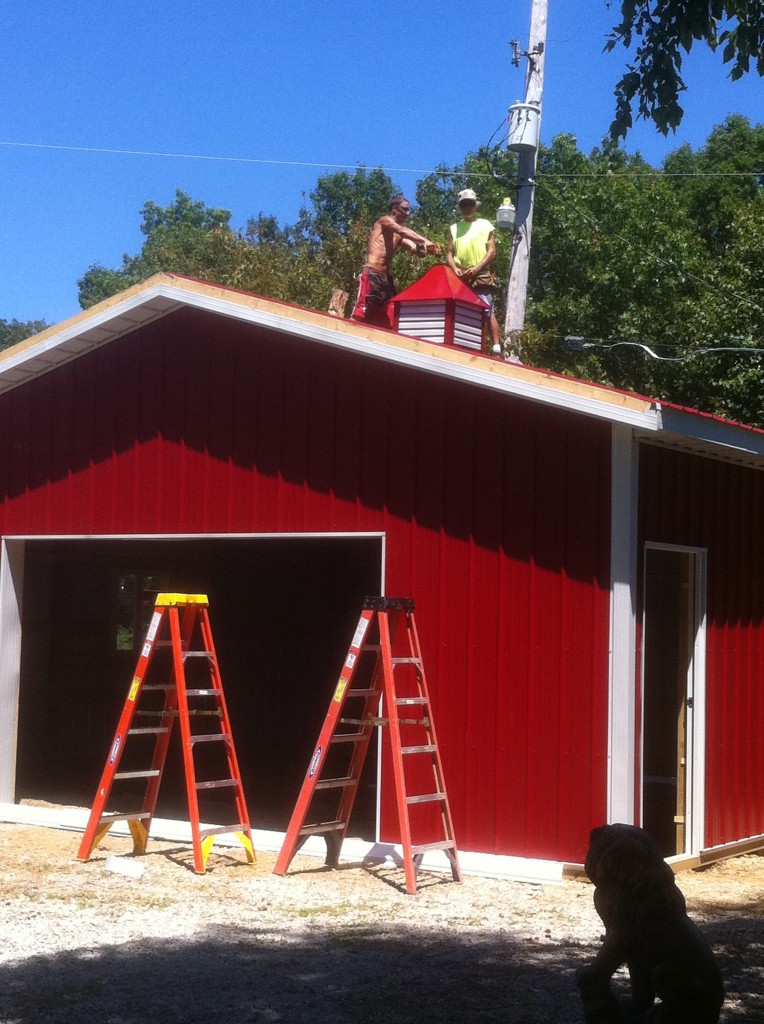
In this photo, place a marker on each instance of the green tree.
(666, 30)
(614, 259)
(185, 237)
(341, 200)
(719, 178)
(14, 331)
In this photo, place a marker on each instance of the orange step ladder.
(180, 625)
(391, 692)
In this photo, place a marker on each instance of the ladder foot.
(333, 846)
(184, 621)
(140, 836)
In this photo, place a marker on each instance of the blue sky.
(290, 90)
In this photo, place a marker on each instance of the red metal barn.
(587, 565)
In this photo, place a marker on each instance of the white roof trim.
(682, 424)
(165, 293)
(474, 375)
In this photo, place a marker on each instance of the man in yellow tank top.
(471, 251)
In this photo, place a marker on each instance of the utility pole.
(517, 288)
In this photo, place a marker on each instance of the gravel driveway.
(82, 943)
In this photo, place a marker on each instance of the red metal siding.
(496, 513)
(718, 506)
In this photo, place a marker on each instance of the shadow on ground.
(342, 976)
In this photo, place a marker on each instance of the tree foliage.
(14, 331)
(654, 270)
(635, 261)
(666, 30)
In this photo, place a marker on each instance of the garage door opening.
(282, 612)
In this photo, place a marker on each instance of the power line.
(651, 174)
(237, 159)
(577, 343)
(439, 170)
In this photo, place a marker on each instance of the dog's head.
(632, 878)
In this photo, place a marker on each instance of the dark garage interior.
(282, 612)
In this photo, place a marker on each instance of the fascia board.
(155, 299)
(708, 430)
(405, 356)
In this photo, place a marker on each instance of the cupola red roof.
(439, 283)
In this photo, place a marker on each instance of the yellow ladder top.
(166, 600)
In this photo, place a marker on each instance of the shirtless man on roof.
(375, 285)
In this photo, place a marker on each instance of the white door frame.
(695, 754)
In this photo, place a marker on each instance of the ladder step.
(335, 783)
(124, 815)
(173, 696)
(219, 830)
(375, 634)
(425, 798)
(444, 844)
(324, 826)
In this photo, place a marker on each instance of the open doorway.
(282, 610)
(673, 645)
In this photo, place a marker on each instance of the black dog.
(647, 928)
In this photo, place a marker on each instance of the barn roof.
(162, 294)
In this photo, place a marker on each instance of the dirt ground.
(83, 943)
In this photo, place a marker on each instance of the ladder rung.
(406, 661)
(197, 654)
(153, 729)
(425, 798)
(158, 686)
(335, 783)
(348, 737)
(124, 815)
(203, 693)
(220, 830)
(324, 826)
(149, 773)
(444, 844)
(209, 737)
(217, 783)
(425, 748)
(362, 693)
(411, 700)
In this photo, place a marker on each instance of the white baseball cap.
(467, 194)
